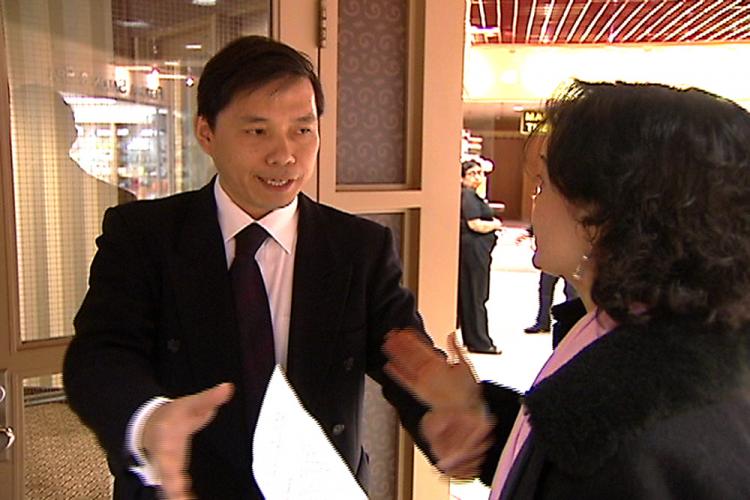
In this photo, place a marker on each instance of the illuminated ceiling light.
(722, 22)
(593, 23)
(658, 21)
(730, 27)
(548, 12)
(704, 23)
(189, 81)
(530, 21)
(194, 46)
(152, 79)
(204, 3)
(561, 22)
(517, 108)
(643, 21)
(624, 24)
(578, 21)
(515, 19)
(676, 20)
(609, 23)
(509, 76)
(171, 63)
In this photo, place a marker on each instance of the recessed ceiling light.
(204, 3)
(193, 46)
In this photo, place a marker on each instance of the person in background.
(478, 238)
(194, 298)
(547, 284)
(643, 202)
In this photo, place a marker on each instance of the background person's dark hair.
(665, 174)
(246, 64)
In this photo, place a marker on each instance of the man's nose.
(281, 152)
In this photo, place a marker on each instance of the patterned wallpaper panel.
(372, 51)
(380, 426)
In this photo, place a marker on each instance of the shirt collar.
(281, 223)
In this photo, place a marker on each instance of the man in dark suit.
(157, 335)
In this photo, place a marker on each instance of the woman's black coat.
(658, 412)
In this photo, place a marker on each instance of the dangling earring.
(578, 273)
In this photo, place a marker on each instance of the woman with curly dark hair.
(644, 204)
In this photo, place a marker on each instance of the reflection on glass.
(61, 457)
(102, 102)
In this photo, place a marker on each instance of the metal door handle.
(7, 438)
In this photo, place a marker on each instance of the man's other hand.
(168, 432)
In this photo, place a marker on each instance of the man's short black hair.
(245, 64)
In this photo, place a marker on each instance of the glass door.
(98, 104)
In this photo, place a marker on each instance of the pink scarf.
(589, 328)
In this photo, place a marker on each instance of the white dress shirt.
(275, 258)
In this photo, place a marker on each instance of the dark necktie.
(253, 319)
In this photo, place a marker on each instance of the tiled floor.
(512, 307)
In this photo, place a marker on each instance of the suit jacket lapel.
(204, 303)
(321, 282)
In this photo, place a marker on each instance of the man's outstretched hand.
(168, 433)
(457, 427)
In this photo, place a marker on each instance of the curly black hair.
(664, 174)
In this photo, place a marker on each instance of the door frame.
(429, 199)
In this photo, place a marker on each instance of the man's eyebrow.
(308, 118)
(253, 119)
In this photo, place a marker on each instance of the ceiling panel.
(538, 22)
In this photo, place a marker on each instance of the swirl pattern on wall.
(380, 426)
(372, 57)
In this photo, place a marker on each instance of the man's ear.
(204, 134)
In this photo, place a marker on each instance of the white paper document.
(292, 457)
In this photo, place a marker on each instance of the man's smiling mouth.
(276, 182)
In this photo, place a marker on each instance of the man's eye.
(255, 131)
(305, 130)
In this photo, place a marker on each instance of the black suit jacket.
(158, 319)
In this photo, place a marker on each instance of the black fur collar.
(626, 379)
